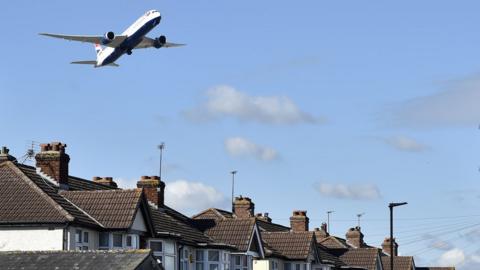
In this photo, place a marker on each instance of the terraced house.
(45, 209)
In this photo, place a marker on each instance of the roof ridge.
(102, 190)
(39, 190)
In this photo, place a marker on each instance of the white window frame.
(80, 243)
(163, 254)
(223, 263)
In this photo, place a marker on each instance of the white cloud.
(226, 101)
(453, 257)
(241, 147)
(347, 191)
(192, 197)
(407, 144)
(437, 243)
(457, 105)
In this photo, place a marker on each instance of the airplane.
(117, 45)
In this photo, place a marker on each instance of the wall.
(261, 265)
(30, 239)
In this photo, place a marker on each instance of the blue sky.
(320, 106)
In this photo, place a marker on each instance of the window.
(117, 240)
(78, 236)
(287, 266)
(240, 262)
(213, 255)
(156, 246)
(184, 262)
(273, 265)
(85, 237)
(226, 261)
(165, 252)
(129, 241)
(199, 260)
(103, 240)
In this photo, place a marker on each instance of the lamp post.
(328, 220)
(391, 206)
(161, 147)
(233, 189)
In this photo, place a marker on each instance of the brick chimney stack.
(299, 221)
(321, 233)
(53, 161)
(355, 237)
(243, 207)
(386, 247)
(154, 189)
(107, 181)
(4, 156)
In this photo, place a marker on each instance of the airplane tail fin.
(93, 62)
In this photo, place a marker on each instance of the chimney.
(386, 247)
(53, 161)
(355, 237)
(107, 181)
(243, 207)
(153, 188)
(321, 233)
(263, 217)
(4, 156)
(299, 221)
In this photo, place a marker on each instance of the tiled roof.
(28, 198)
(399, 262)
(213, 214)
(432, 268)
(332, 242)
(271, 227)
(167, 221)
(81, 260)
(291, 245)
(327, 257)
(114, 209)
(236, 232)
(361, 257)
(76, 183)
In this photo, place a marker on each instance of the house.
(44, 208)
(284, 248)
(81, 260)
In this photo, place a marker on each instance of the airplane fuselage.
(135, 33)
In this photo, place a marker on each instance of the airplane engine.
(108, 37)
(159, 42)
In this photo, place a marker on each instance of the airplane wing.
(149, 42)
(90, 39)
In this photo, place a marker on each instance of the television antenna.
(32, 148)
(360, 216)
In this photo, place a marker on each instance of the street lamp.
(391, 206)
(233, 190)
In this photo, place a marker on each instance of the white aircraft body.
(132, 38)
